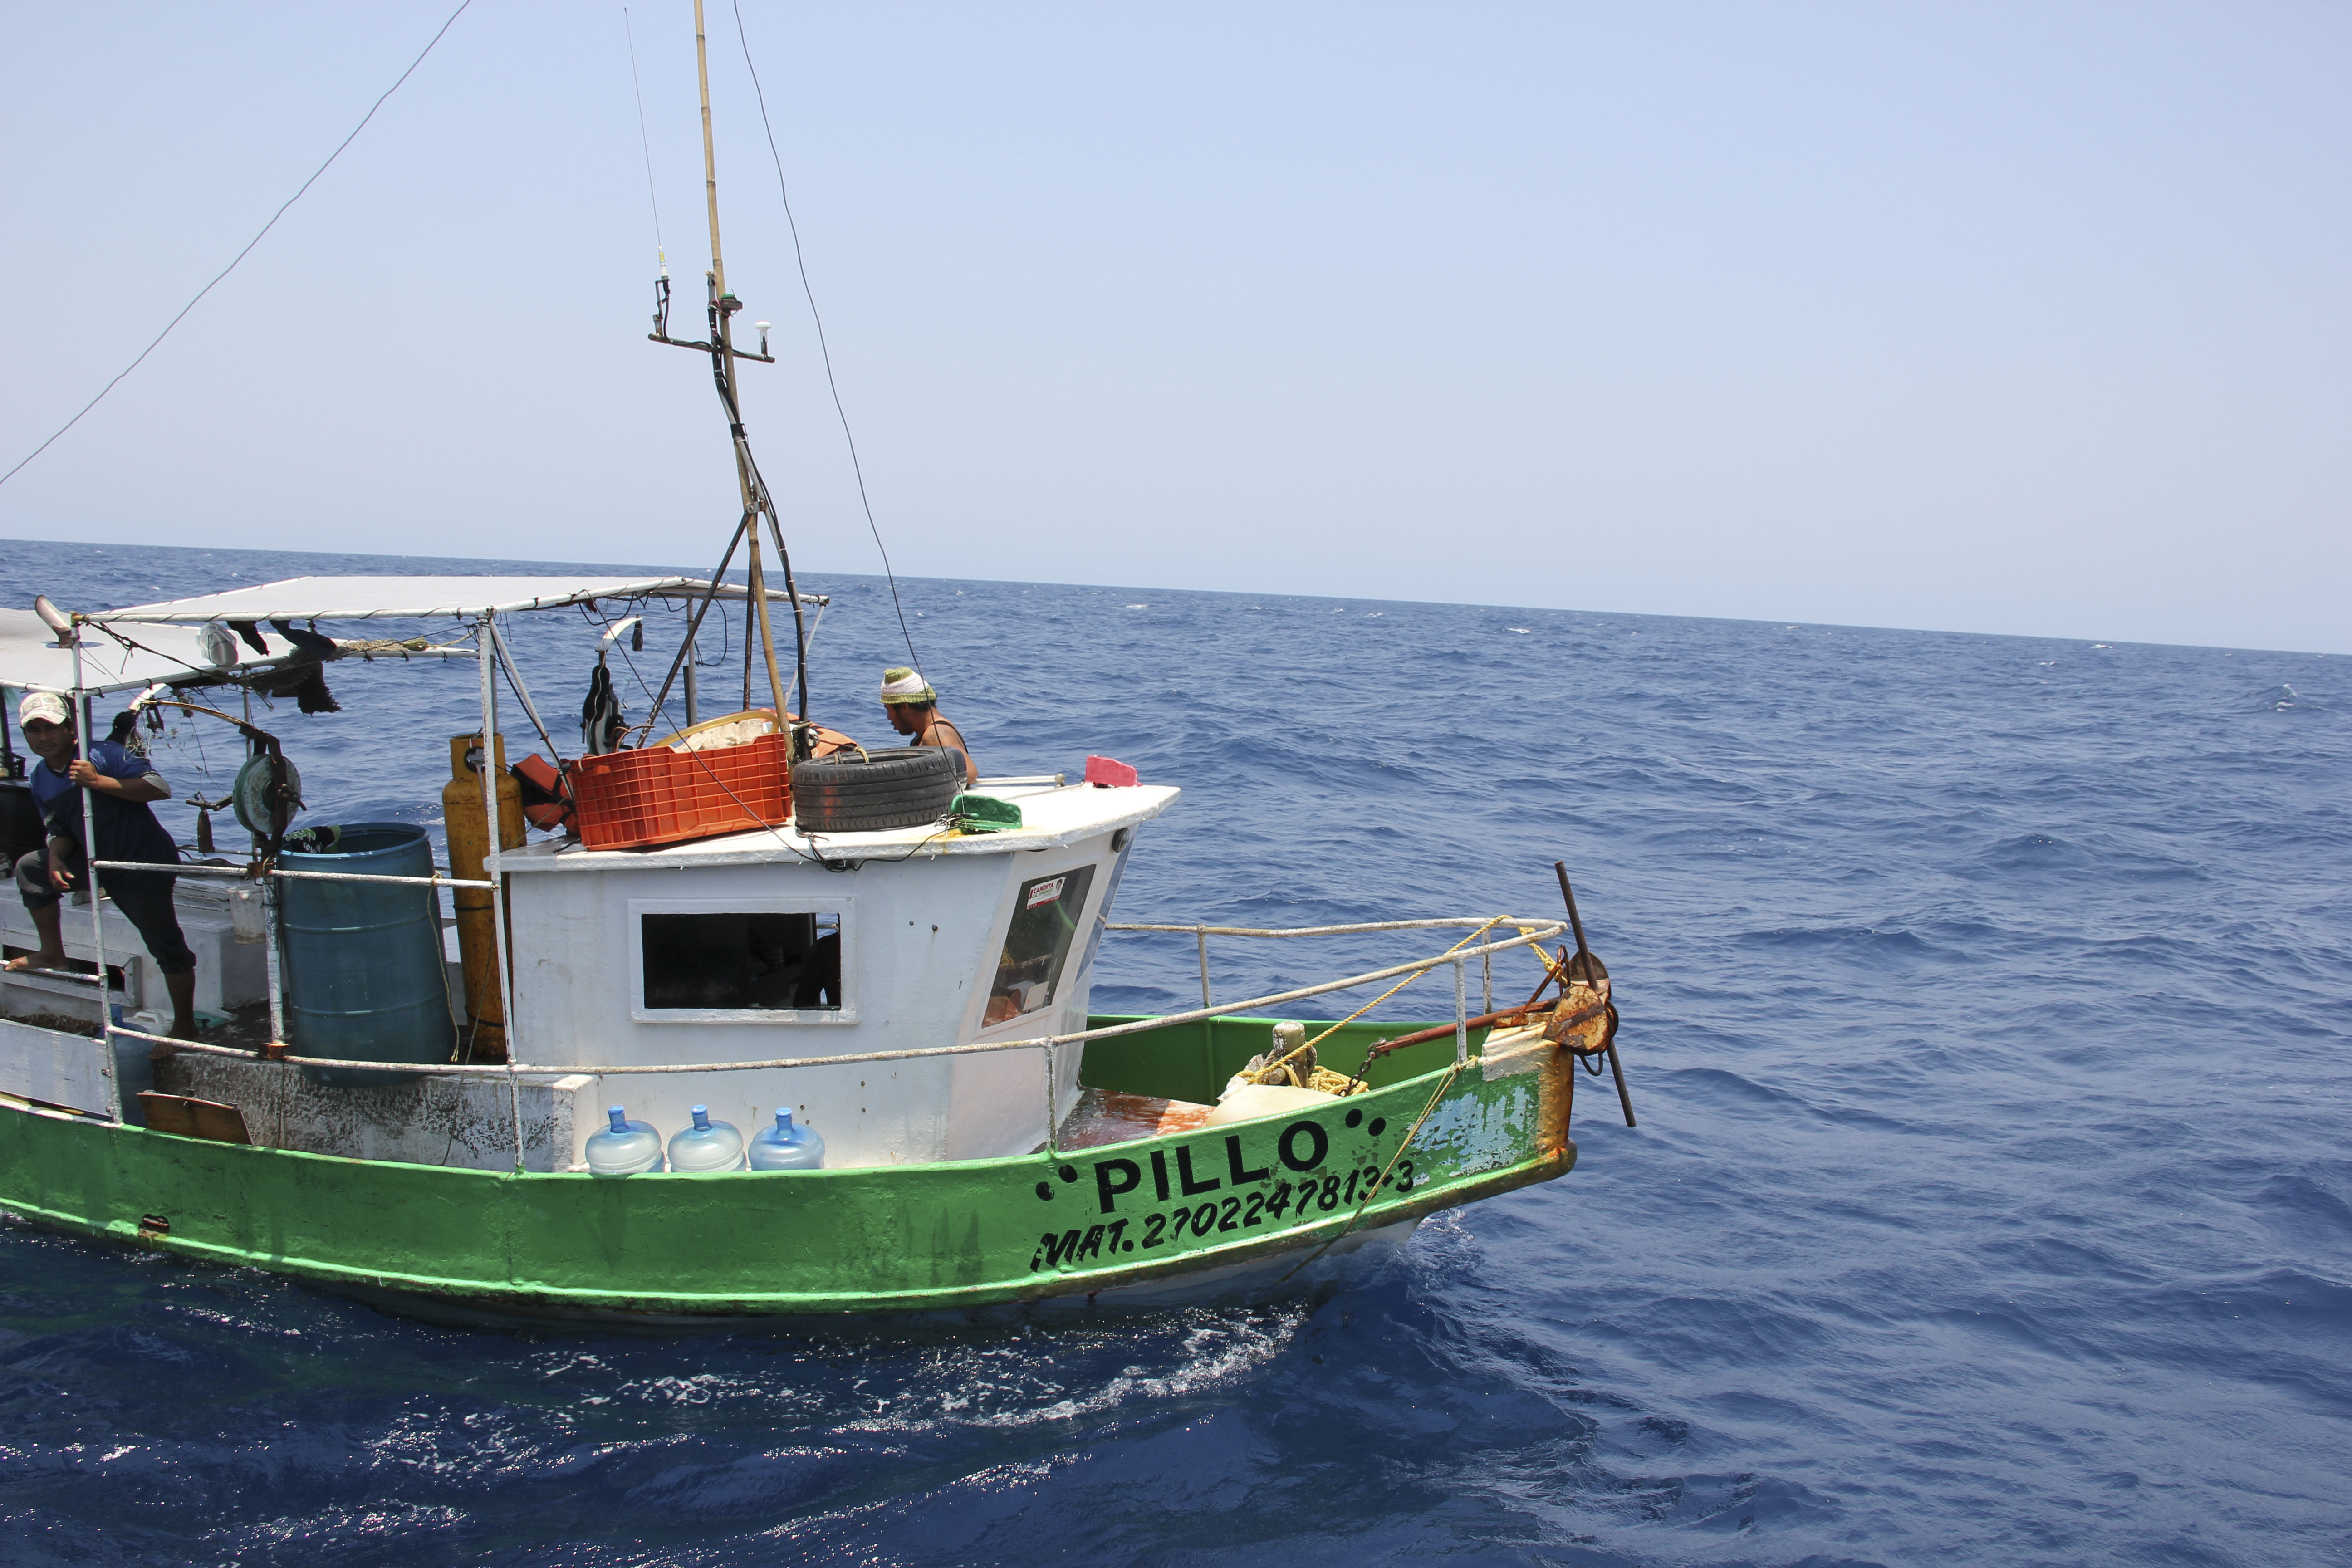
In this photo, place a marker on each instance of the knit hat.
(900, 684)
(45, 705)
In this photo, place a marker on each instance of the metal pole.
(486, 641)
(274, 966)
(1053, 1111)
(240, 871)
(693, 688)
(1487, 983)
(693, 623)
(1461, 1012)
(97, 914)
(1575, 921)
(523, 692)
(791, 596)
(759, 586)
(1624, 1096)
(1201, 932)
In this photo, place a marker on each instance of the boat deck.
(1105, 1116)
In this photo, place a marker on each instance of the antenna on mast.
(653, 196)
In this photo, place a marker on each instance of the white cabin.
(711, 951)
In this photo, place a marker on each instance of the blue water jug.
(785, 1147)
(626, 1148)
(707, 1145)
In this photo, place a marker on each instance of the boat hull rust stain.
(909, 1237)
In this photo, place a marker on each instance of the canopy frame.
(418, 598)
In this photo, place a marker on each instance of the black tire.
(922, 792)
(903, 786)
(900, 771)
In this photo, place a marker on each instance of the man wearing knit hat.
(913, 707)
(120, 782)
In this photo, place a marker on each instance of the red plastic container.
(655, 796)
(1109, 773)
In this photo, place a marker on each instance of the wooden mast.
(723, 306)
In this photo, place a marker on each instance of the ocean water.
(1985, 1001)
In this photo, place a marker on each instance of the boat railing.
(242, 874)
(1202, 934)
(1530, 933)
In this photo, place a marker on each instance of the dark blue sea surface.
(1985, 1000)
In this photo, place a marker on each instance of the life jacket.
(546, 793)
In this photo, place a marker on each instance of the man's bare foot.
(36, 961)
(160, 1053)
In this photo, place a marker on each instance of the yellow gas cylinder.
(484, 1040)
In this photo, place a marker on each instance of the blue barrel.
(365, 979)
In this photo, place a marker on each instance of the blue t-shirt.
(127, 829)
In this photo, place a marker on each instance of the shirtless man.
(121, 784)
(913, 707)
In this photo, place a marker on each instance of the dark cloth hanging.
(600, 716)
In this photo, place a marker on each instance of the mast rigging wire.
(249, 244)
(644, 139)
(823, 347)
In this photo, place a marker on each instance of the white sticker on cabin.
(1045, 892)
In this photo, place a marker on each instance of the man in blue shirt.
(121, 784)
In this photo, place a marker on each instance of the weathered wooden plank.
(56, 1067)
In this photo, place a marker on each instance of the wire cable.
(823, 347)
(645, 140)
(249, 244)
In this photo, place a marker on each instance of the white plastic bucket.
(247, 915)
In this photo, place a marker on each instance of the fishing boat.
(684, 927)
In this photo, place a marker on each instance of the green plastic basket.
(982, 814)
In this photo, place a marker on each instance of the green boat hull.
(946, 1236)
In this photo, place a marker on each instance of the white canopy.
(30, 658)
(407, 598)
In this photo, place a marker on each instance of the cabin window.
(701, 961)
(1045, 919)
(1119, 842)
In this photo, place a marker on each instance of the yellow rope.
(1406, 1142)
(1391, 990)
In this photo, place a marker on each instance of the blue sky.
(2011, 318)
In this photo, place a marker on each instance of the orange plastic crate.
(655, 796)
